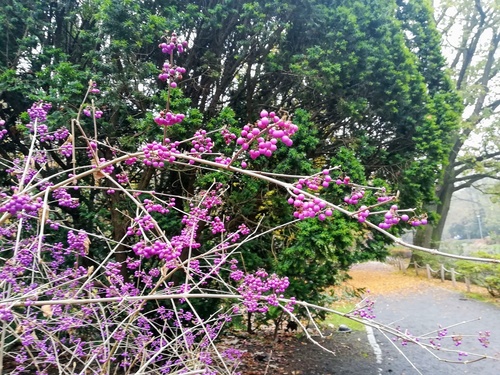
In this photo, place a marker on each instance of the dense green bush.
(484, 274)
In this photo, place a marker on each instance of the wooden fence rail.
(442, 271)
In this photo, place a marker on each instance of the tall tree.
(471, 37)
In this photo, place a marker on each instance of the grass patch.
(483, 297)
(337, 320)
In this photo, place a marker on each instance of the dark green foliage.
(365, 95)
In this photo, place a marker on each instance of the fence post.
(402, 266)
(467, 284)
(428, 269)
(442, 273)
(453, 280)
(416, 268)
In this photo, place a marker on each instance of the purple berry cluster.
(391, 218)
(356, 195)
(157, 207)
(484, 338)
(38, 112)
(228, 136)
(171, 74)
(173, 44)
(159, 248)
(308, 208)
(64, 199)
(156, 154)
(365, 309)
(316, 181)
(262, 138)
(61, 134)
(457, 340)
(3, 131)
(78, 243)
(88, 112)
(167, 118)
(94, 89)
(20, 205)
(201, 144)
(142, 225)
(259, 287)
(66, 149)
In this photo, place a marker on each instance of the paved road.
(422, 312)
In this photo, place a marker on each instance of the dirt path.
(413, 303)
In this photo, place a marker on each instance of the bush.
(483, 274)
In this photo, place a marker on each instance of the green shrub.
(483, 274)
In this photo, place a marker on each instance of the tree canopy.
(365, 76)
(470, 38)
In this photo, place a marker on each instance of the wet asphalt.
(423, 312)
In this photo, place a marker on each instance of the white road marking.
(373, 343)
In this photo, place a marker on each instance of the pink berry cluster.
(172, 74)
(265, 134)
(122, 178)
(243, 230)
(3, 132)
(391, 218)
(308, 208)
(157, 207)
(144, 223)
(259, 287)
(201, 144)
(418, 221)
(217, 225)
(355, 196)
(346, 180)
(17, 203)
(225, 160)
(156, 154)
(108, 169)
(363, 213)
(228, 136)
(383, 197)
(316, 181)
(88, 112)
(94, 89)
(167, 118)
(173, 44)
